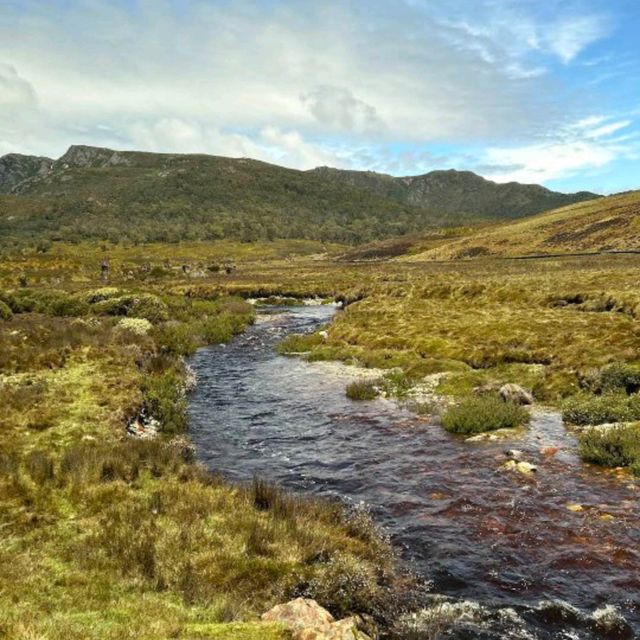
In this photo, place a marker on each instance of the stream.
(549, 556)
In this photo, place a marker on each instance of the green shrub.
(218, 329)
(362, 390)
(617, 446)
(145, 305)
(100, 295)
(148, 306)
(176, 338)
(621, 376)
(5, 311)
(484, 413)
(66, 306)
(165, 400)
(587, 409)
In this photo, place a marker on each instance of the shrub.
(165, 400)
(137, 326)
(587, 409)
(66, 306)
(617, 446)
(5, 311)
(100, 295)
(621, 376)
(362, 390)
(484, 413)
(176, 338)
(148, 306)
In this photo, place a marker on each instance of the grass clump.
(362, 390)
(617, 446)
(485, 413)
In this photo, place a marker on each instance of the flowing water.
(507, 548)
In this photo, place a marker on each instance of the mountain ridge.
(101, 193)
(451, 190)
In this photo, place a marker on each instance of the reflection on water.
(473, 531)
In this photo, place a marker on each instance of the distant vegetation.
(93, 193)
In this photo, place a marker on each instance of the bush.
(586, 409)
(621, 376)
(176, 338)
(5, 311)
(166, 402)
(484, 413)
(362, 390)
(617, 446)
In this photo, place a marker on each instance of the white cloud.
(576, 148)
(568, 37)
(338, 107)
(376, 70)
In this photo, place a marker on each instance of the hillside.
(461, 192)
(94, 193)
(605, 224)
(16, 168)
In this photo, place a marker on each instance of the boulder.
(307, 620)
(516, 394)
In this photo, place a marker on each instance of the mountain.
(459, 192)
(96, 193)
(606, 224)
(15, 168)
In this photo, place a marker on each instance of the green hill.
(461, 192)
(94, 193)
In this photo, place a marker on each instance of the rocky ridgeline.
(16, 168)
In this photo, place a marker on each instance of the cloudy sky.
(535, 91)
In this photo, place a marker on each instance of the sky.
(534, 91)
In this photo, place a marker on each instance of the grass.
(488, 413)
(362, 390)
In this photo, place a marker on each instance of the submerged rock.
(307, 620)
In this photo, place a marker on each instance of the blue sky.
(545, 92)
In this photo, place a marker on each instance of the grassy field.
(104, 536)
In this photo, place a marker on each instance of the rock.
(514, 454)
(516, 394)
(549, 451)
(576, 508)
(526, 468)
(307, 620)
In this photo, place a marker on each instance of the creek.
(507, 549)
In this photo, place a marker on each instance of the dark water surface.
(506, 547)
